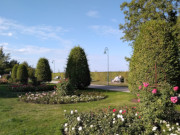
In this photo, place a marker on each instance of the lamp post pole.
(54, 65)
(106, 51)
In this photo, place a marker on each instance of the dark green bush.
(14, 73)
(43, 71)
(77, 69)
(22, 74)
(155, 44)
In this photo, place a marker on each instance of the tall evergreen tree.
(22, 74)
(4, 58)
(77, 69)
(14, 73)
(43, 71)
(155, 44)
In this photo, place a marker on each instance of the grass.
(19, 118)
(110, 83)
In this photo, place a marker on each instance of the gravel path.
(112, 88)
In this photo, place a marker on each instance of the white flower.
(72, 112)
(78, 119)
(80, 128)
(172, 127)
(76, 111)
(178, 129)
(154, 128)
(113, 114)
(167, 125)
(73, 128)
(65, 124)
(66, 129)
(164, 121)
(122, 119)
(177, 124)
(91, 126)
(136, 114)
(173, 134)
(119, 116)
(114, 122)
(64, 110)
(129, 125)
(160, 121)
(120, 111)
(169, 129)
(114, 119)
(117, 134)
(164, 130)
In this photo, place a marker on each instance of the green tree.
(155, 44)
(22, 74)
(77, 69)
(4, 58)
(43, 71)
(14, 73)
(138, 12)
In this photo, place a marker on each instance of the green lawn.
(19, 118)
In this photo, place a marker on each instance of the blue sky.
(51, 28)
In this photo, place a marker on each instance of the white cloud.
(106, 30)
(93, 13)
(3, 44)
(43, 32)
(114, 20)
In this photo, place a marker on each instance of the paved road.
(105, 87)
(113, 88)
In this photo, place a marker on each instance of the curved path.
(113, 88)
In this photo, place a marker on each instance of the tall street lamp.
(54, 65)
(106, 51)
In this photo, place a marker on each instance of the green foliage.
(64, 87)
(154, 45)
(156, 106)
(22, 74)
(3, 61)
(43, 71)
(138, 12)
(14, 73)
(77, 69)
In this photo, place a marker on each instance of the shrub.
(64, 87)
(14, 73)
(30, 88)
(31, 74)
(55, 98)
(22, 74)
(43, 71)
(155, 104)
(155, 44)
(77, 69)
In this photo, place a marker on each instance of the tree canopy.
(138, 12)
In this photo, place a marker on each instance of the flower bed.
(55, 98)
(111, 121)
(3, 81)
(28, 88)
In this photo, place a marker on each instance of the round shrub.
(43, 71)
(14, 73)
(22, 74)
(77, 69)
(155, 44)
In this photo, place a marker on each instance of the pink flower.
(176, 88)
(154, 91)
(174, 99)
(138, 95)
(145, 84)
(138, 100)
(140, 87)
(114, 110)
